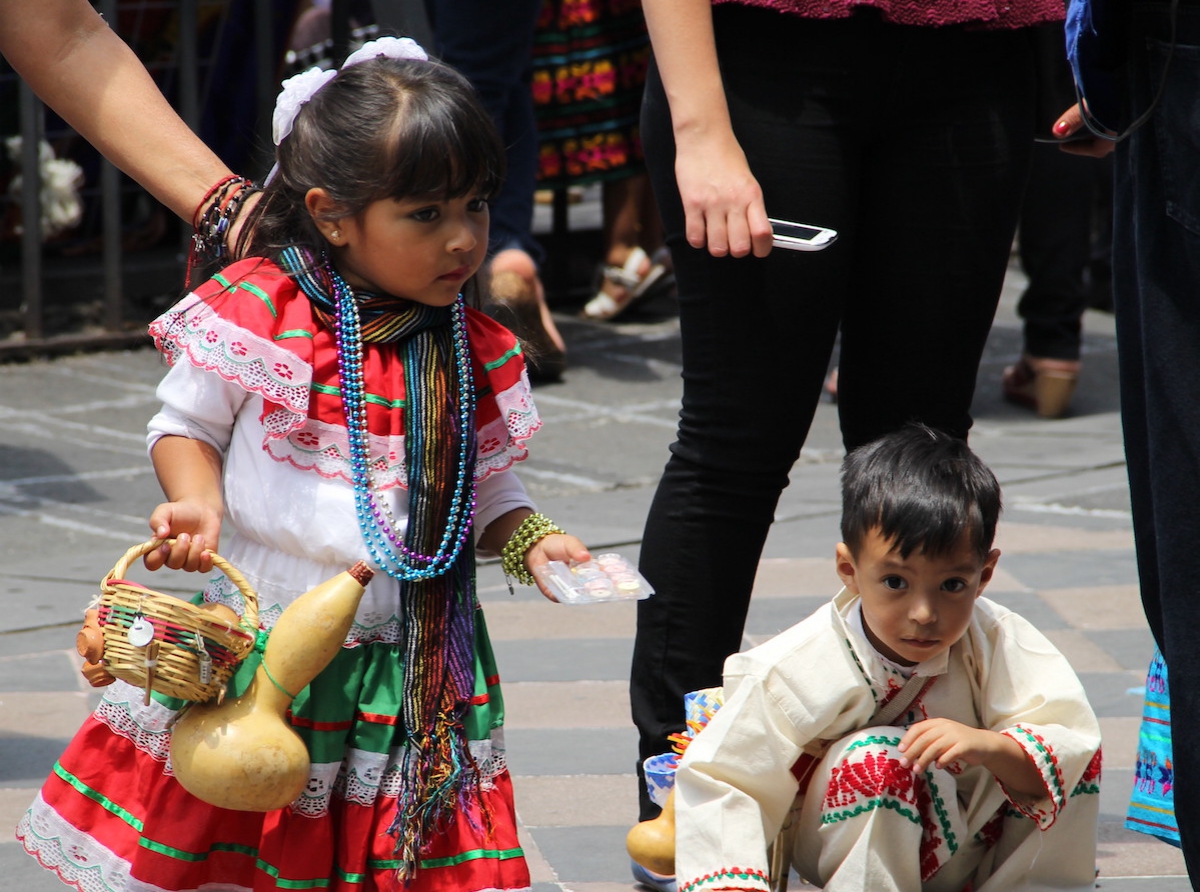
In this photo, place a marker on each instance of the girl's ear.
(847, 570)
(322, 208)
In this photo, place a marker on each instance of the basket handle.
(249, 615)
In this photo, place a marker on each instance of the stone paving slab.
(75, 489)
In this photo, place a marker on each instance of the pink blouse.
(986, 14)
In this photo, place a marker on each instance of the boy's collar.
(848, 607)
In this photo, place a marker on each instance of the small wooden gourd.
(652, 843)
(242, 754)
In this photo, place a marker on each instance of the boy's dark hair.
(384, 128)
(923, 490)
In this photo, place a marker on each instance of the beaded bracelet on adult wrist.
(214, 218)
(532, 529)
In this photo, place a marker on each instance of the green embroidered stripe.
(183, 855)
(369, 397)
(1057, 793)
(861, 669)
(496, 363)
(380, 401)
(732, 873)
(253, 289)
(472, 855)
(99, 798)
(225, 283)
(848, 813)
(294, 333)
(939, 803)
(261, 295)
(868, 741)
(273, 872)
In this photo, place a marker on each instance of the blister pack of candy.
(607, 577)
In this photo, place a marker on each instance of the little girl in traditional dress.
(333, 398)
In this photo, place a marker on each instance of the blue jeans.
(491, 44)
(1156, 293)
(913, 143)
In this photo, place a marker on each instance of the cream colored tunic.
(866, 823)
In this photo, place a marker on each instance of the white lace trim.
(362, 776)
(124, 711)
(79, 859)
(260, 366)
(368, 628)
(254, 363)
(324, 448)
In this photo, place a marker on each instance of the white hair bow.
(304, 86)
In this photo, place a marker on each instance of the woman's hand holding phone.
(722, 201)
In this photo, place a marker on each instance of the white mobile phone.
(801, 237)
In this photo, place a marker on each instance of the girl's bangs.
(435, 155)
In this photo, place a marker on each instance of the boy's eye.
(477, 204)
(954, 585)
(425, 215)
(895, 583)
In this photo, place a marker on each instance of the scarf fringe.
(442, 780)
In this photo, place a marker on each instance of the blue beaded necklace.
(375, 520)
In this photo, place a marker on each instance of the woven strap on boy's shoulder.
(907, 695)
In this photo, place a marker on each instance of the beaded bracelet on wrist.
(214, 218)
(532, 529)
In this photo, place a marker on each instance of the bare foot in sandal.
(517, 300)
(621, 286)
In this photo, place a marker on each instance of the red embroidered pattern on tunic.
(863, 782)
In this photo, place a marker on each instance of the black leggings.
(913, 143)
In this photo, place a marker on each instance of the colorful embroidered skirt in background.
(589, 68)
(1152, 803)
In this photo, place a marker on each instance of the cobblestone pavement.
(75, 488)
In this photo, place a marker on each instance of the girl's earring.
(336, 234)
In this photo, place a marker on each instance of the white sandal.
(604, 306)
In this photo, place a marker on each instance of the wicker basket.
(192, 653)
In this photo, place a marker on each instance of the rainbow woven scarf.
(438, 614)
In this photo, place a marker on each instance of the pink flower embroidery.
(237, 348)
(283, 371)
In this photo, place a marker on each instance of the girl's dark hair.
(922, 490)
(384, 128)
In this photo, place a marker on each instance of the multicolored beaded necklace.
(375, 518)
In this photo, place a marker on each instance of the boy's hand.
(194, 525)
(555, 547)
(942, 742)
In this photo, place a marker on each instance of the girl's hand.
(722, 201)
(194, 525)
(555, 547)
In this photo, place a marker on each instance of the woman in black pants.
(913, 142)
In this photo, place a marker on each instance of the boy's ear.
(847, 570)
(989, 570)
(321, 207)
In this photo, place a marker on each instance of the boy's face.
(914, 608)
